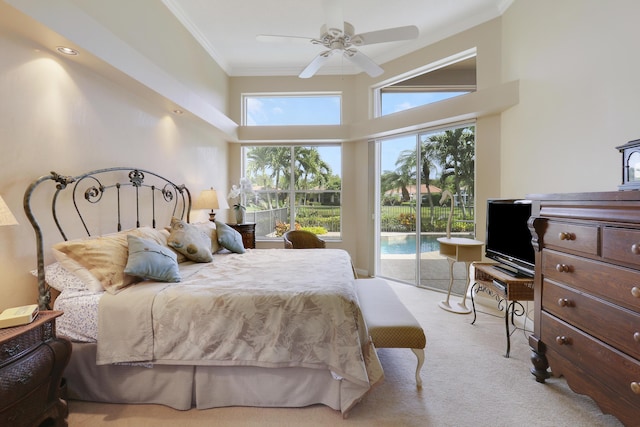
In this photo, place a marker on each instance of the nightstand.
(32, 360)
(248, 233)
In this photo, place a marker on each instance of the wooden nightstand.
(248, 233)
(32, 360)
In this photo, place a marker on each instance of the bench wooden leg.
(419, 352)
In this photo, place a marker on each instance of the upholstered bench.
(390, 323)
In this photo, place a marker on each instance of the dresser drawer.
(574, 237)
(621, 244)
(613, 369)
(23, 376)
(27, 410)
(21, 344)
(621, 328)
(616, 284)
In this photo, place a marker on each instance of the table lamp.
(208, 199)
(6, 217)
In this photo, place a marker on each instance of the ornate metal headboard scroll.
(149, 191)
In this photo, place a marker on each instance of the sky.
(325, 110)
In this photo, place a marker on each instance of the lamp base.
(212, 216)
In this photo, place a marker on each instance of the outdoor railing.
(393, 219)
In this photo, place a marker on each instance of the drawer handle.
(636, 337)
(635, 387)
(635, 291)
(635, 248)
(563, 268)
(25, 379)
(563, 235)
(564, 302)
(562, 340)
(12, 351)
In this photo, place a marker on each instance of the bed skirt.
(202, 387)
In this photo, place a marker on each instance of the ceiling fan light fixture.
(336, 39)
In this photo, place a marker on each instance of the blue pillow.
(229, 238)
(149, 260)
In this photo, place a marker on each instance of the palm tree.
(456, 154)
(275, 160)
(313, 171)
(390, 180)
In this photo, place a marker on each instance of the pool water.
(406, 244)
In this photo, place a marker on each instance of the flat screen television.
(508, 237)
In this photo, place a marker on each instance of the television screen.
(508, 236)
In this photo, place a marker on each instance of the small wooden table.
(504, 288)
(32, 361)
(248, 233)
(458, 249)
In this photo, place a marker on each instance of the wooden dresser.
(32, 360)
(587, 296)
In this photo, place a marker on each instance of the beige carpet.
(467, 382)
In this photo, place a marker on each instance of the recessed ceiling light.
(178, 112)
(67, 50)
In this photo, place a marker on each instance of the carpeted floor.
(467, 382)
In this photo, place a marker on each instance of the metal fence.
(403, 219)
(392, 219)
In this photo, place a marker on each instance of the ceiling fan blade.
(364, 62)
(315, 65)
(273, 38)
(389, 35)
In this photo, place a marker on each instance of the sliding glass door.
(415, 170)
(397, 248)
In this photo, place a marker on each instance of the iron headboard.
(135, 192)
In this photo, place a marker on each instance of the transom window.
(446, 79)
(292, 109)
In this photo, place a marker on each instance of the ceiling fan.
(340, 37)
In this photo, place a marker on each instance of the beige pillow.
(190, 241)
(209, 228)
(103, 258)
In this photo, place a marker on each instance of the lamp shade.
(208, 199)
(6, 217)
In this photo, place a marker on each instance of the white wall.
(577, 62)
(61, 116)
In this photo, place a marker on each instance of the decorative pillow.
(149, 260)
(165, 236)
(102, 258)
(209, 228)
(59, 278)
(190, 241)
(229, 238)
(78, 270)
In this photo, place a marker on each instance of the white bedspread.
(267, 308)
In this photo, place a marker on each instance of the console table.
(457, 249)
(507, 290)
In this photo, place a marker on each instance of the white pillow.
(59, 278)
(209, 228)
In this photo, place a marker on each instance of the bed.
(215, 324)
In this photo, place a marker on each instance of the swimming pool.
(406, 244)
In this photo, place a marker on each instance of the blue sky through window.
(393, 102)
(292, 110)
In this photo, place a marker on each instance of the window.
(285, 110)
(392, 102)
(294, 184)
(453, 79)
